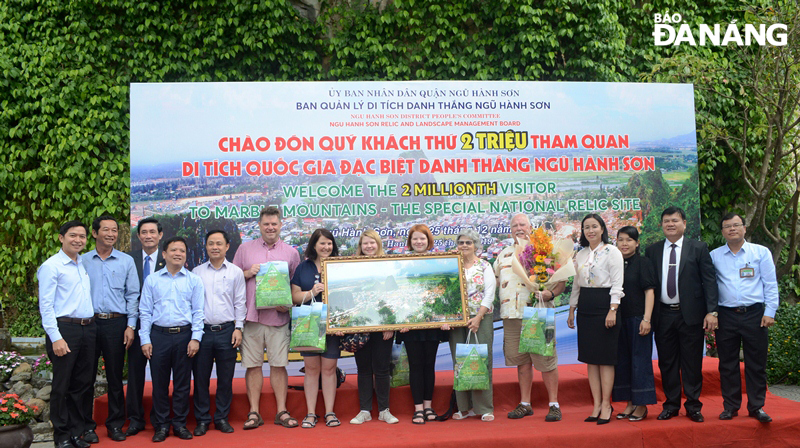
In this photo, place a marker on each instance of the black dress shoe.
(696, 417)
(77, 442)
(133, 430)
(116, 434)
(182, 433)
(761, 416)
(161, 435)
(91, 437)
(64, 444)
(667, 414)
(201, 429)
(223, 425)
(727, 414)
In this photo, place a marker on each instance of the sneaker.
(554, 415)
(386, 416)
(363, 416)
(521, 411)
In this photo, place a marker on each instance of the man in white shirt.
(514, 297)
(224, 313)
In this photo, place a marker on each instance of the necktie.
(671, 273)
(147, 268)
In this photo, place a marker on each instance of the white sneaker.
(386, 416)
(363, 416)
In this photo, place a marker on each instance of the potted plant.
(14, 418)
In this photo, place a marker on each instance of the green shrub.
(783, 361)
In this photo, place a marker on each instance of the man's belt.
(743, 309)
(76, 320)
(217, 327)
(105, 316)
(671, 306)
(172, 330)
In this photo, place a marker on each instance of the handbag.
(308, 328)
(538, 332)
(353, 342)
(470, 371)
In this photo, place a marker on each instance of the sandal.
(487, 417)
(418, 415)
(333, 422)
(310, 421)
(253, 422)
(429, 412)
(459, 416)
(285, 422)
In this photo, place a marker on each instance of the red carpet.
(574, 397)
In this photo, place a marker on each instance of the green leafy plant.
(783, 360)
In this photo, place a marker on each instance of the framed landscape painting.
(392, 292)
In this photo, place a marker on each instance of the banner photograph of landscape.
(414, 291)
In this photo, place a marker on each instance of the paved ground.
(790, 392)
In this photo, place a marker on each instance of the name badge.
(747, 273)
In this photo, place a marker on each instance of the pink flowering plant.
(42, 364)
(14, 411)
(8, 362)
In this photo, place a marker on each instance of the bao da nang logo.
(670, 30)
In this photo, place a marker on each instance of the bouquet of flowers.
(14, 411)
(542, 263)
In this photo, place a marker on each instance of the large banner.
(387, 155)
(349, 156)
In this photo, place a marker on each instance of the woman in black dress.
(633, 381)
(422, 345)
(596, 293)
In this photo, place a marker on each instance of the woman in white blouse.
(596, 293)
(480, 296)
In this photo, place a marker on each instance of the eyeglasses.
(732, 226)
(465, 242)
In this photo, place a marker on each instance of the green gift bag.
(306, 328)
(471, 368)
(272, 285)
(538, 331)
(399, 366)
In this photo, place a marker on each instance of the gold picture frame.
(392, 292)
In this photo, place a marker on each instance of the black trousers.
(169, 356)
(110, 344)
(374, 359)
(73, 378)
(680, 357)
(742, 328)
(136, 376)
(216, 347)
(421, 368)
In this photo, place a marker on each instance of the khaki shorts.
(511, 331)
(257, 337)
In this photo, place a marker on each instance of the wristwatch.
(132, 327)
(613, 309)
(239, 328)
(714, 313)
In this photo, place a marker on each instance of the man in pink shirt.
(267, 328)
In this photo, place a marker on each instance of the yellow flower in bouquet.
(542, 243)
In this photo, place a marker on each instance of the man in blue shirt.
(65, 303)
(171, 314)
(748, 300)
(115, 298)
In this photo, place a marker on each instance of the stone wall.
(35, 390)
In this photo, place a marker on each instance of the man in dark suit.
(686, 306)
(147, 261)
